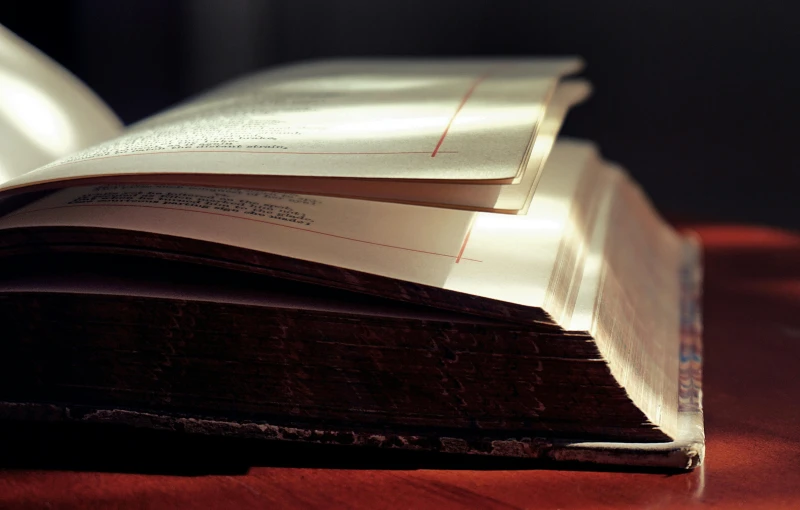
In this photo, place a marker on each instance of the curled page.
(45, 112)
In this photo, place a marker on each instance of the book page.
(508, 198)
(504, 257)
(45, 112)
(450, 120)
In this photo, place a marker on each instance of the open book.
(394, 253)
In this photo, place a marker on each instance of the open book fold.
(394, 253)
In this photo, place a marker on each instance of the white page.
(510, 198)
(504, 257)
(45, 112)
(450, 120)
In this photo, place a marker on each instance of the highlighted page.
(507, 198)
(470, 120)
(45, 112)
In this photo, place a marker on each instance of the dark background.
(699, 100)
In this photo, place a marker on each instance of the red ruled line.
(265, 222)
(464, 100)
(464, 245)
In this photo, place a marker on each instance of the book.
(396, 253)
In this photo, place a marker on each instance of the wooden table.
(752, 403)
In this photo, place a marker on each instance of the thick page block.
(686, 452)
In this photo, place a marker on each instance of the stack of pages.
(395, 253)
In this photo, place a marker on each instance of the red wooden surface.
(752, 404)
